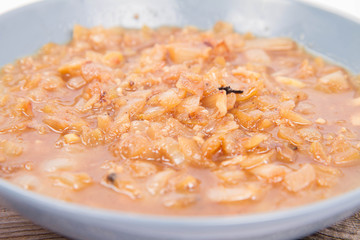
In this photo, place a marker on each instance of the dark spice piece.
(111, 178)
(102, 96)
(229, 90)
(293, 147)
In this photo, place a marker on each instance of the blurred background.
(350, 7)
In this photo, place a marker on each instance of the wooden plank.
(348, 229)
(15, 227)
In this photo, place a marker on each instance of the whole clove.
(229, 90)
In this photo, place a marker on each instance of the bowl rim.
(184, 220)
(307, 3)
(33, 198)
(329, 9)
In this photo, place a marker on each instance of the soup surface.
(179, 121)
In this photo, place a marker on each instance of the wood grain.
(15, 227)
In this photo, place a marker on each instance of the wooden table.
(13, 226)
